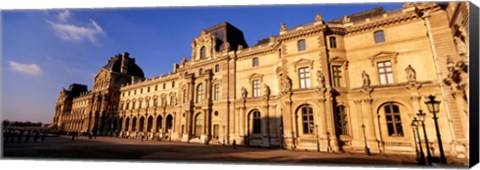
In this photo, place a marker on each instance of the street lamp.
(421, 155)
(434, 107)
(421, 118)
(367, 150)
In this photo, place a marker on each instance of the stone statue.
(411, 74)
(283, 27)
(184, 60)
(318, 18)
(321, 79)
(244, 93)
(266, 90)
(461, 47)
(366, 79)
(226, 46)
(287, 82)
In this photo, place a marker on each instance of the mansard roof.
(226, 32)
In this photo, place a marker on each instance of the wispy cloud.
(64, 16)
(31, 69)
(65, 29)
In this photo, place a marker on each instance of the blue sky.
(45, 50)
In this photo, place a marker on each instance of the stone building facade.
(339, 86)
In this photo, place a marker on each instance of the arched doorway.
(169, 122)
(149, 124)
(159, 123)
(142, 123)
(127, 122)
(198, 125)
(134, 124)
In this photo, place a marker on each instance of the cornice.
(301, 33)
(381, 23)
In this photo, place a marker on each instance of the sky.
(44, 51)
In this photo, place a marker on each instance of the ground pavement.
(119, 149)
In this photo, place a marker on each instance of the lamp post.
(420, 155)
(421, 117)
(367, 150)
(318, 144)
(434, 108)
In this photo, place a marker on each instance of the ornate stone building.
(339, 86)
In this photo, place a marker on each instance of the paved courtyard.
(119, 149)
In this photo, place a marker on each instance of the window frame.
(256, 88)
(301, 45)
(397, 131)
(202, 53)
(306, 111)
(379, 36)
(333, 44)
(337, 76)
(255, 62)
(200, 93)
(304, 78)
(382, 72)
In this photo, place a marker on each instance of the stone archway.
(149, 124)
(159, 123)
(141, 124)
(127, 122)
(134, 124)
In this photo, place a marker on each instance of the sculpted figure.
(244, 93)
(184, 60)
(288, 84)
(318, 17)
(461, 47)
(267, 90)
(321, 79)
(411, 74)
(366, 79)
(283, 27)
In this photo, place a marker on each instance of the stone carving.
(283, 27)
(318, 18)
(461, 47)
(366, 79)
(226, 46)
(266, 92)
(321, 79)
(244, 93)
(183, 62)
(411, 74)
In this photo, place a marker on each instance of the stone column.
(242, 114)
(357, 124)
(331, 124)
(322, 125)
(370, 125)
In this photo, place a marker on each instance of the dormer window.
(203, 52)
(301, 45)
(379, 36)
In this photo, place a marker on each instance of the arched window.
(301, 45)
(200, 92)
(379, 36)
(255, 62)
(256, 122)
(341, 120)
(306, 112)
(394, 122)
(134, 123)
(203, 52)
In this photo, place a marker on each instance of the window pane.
(390, 78)
(390, 129)
(383, 79)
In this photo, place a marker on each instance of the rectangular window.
(164, 86)
(173, 84)
(304, 76)
(256, 88)
(301, 45)
(217, 68)
(379, 36)
(337, 76)
(216, 97)
(255, 62)
(385, 72)
(333, 42)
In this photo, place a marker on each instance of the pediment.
(384, 55)
(255, 76)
